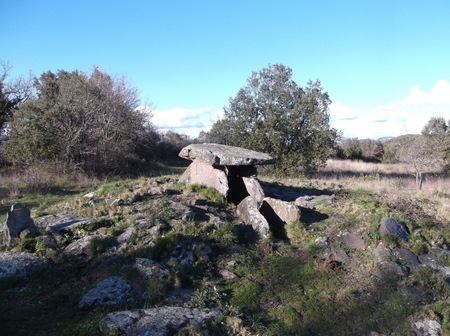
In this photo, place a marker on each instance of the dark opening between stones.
(237, 190)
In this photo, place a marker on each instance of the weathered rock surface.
(222, 155)
(160, 321)
(60, 222)
(19, 264)
(407, 257)
(349, 239)
(149, 269)
(287, 212)
(80, 246)
(248, 211)
(112, 291)
(254, 189)
(203, 173)
(382, 253)
(310, 202)
(426, 327)
(393, 227)
(18, 220)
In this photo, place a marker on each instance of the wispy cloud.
(185, 121)
(408, 115)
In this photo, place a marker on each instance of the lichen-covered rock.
(426, 327)
(249, 213)
(112, 291)
(287, 212)
(160, 321)
(81, 246)
(18, 223)
(408, 258)
(223, 155)
(254, 189)
(393, 227)
(60, 222)
(349, 239)
(19, 264)
(149, 269)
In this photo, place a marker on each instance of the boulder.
(393, 227)
(150, 270)
(426, 327)
(81, 246)
(112, 291)
(59, 223)
(287, 212)
(428, 259)
(254, 188)
(203, 173)
(19, 264)
(159, 321)
(349, 239)
(382, 253)
(18, 220)
(249, 213)
(222, 155)
(407, 257)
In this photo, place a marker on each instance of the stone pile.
(231, 171)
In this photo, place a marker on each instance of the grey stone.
(150, 270)
(162, 321)
(17, 220)
(80, 246)
(428, 259)
(48, 241)
(249, 213)
(392, 268)
(392, 226)
(349, 239)
(310, 202)
(126, 235)
(227, 275)
(92, 194)
(382, 253)
(178, 296)
(408, 258)
(426, 327)
(200, 172)
(287, 212)
(412, 292)
(112, 291)
(223, 155)
(19, 264)
(60, 222)
(254, 189)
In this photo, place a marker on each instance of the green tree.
(352, 149)
(272, 114)
(80, 121)
(437, 135)
(372, 150)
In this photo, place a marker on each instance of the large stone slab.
(17, 220)
(222, 155)
(160, 321)
(205, 174)
(287, 212)
(248, 211)
(19, 264)
(60, 222)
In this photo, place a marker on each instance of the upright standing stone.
(17, 220)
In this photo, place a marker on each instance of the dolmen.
(232, 171)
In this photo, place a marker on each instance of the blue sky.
(385, 64)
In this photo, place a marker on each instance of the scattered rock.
(393, 227)
(18, 220)
(92, 194)
(407, 257)
(428, 259)
(227, 275)
(19, 264)
(350, 240)
(178, 296)
(382, 253)
(60, 223)
(254, 189)
(112, 291)
(48, 241)
(249, 213)
(310, 202)
(126, 235)
(426, 327)
(150, 270)
(80, 246)
(392, 268)
(160, 321)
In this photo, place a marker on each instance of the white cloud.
(341, 112)
(406, 116)
(185, 121)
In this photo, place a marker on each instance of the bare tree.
(416, 153)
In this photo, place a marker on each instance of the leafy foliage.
(272, 114)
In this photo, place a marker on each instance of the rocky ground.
(154, 257)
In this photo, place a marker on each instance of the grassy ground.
(282, 287)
